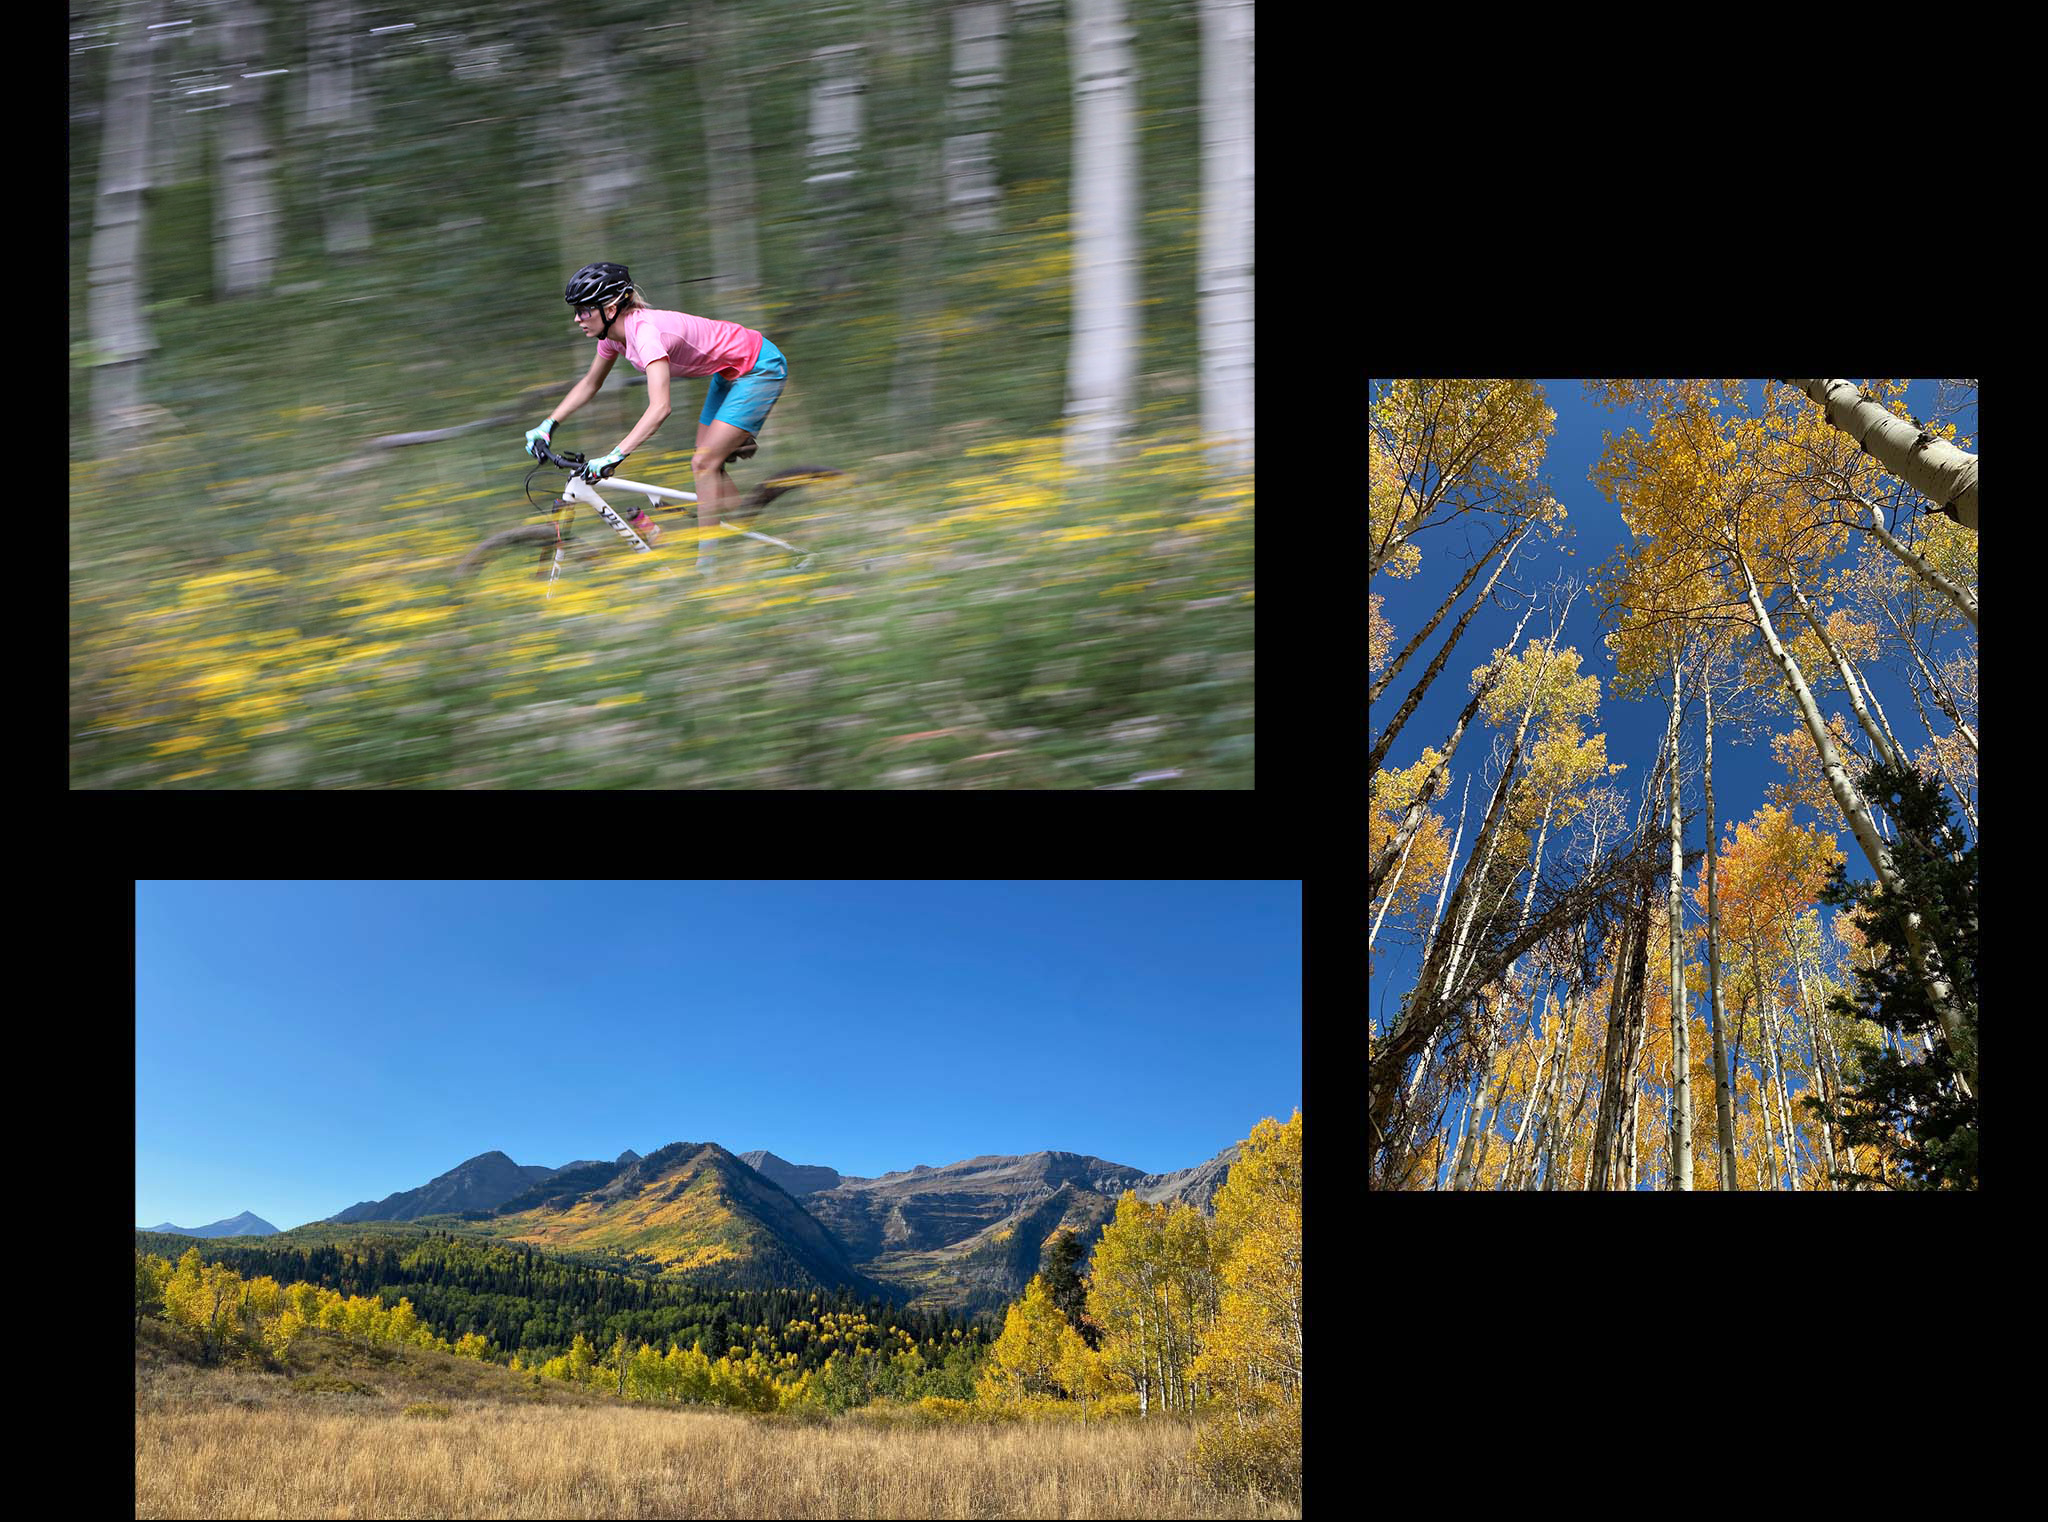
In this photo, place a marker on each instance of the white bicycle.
(557, 545)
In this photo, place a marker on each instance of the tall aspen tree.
(1932, 466)
(1681, 1061)
(1724, 1105)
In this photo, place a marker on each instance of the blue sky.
(1742, 769)
(303, 1046)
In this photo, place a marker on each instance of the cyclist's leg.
(734, 412)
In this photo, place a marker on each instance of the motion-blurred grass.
(972, 619)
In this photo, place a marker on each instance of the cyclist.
(747, 375)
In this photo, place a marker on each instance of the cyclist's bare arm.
(586, 388)
(657, 407)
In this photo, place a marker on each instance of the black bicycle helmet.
(596, 284)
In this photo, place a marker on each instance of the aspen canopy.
(1671, 857)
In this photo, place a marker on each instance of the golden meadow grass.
(236, 1443)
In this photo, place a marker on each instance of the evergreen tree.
(1921, 1113)
(1062, 1262)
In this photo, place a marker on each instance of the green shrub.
(433, 1410)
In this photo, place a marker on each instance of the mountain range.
(967, 1235)
(243, 1225)
(484, 1183)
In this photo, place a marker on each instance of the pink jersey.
(691, 345)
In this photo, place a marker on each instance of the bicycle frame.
(580, 490)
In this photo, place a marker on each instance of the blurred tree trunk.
(973, 106)
(119, 329)
(246, 225)
(918, 187)
(1102, 359)
(595, 136)
(728, 169)
(338, 112)
(834, 150)
(1224, 277)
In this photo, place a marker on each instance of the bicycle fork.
(579, 491)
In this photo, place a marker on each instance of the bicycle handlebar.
(567, 459)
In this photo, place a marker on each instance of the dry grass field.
(350, 1433)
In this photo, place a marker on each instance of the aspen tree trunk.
(1879, 742)
(1431, 784)
(1927, 962)
(1942, 767)
(1944, 474)
(834, 148)
(1834, 1060)
(339, 113)
(1539, 1085)
(1401, 1144)
(973, 112)
(728, 169)
(1487, 844)
(1385, 679)
(1428, 1016)
(1624, 1012)
(1223, 279)
(1883, 722)
(1818, 1071)
(1557, 1056)
(1635, 1117)
(1380, 746)
(246, 240)
(1724, 1104)
(1476, 871)
(1681, 1059)
(1935, 689)
(1759, 1114)
(1475, 1123)
(1102, 356)
(1388, 898)
(1963, 599)
(119, 328)
(1772, 1044)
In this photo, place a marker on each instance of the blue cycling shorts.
(744, 403)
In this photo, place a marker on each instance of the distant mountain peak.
(244, 1225)
(796, 1179)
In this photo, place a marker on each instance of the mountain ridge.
(247, 1224)
(967, 1234)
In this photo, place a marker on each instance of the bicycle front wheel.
(535, 539)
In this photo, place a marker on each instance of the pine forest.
(1672, 771)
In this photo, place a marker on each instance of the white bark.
(1724, 1104)
(1431, 784)
(1681, 1078)
(1771, 1044)
(832, 154)
(1103, 352)
(973, 111)
(1944, 474)
(1224, 273)
(246, 208)
(119, 329)
(339, 114)
(1961, 1042)
(728, 169)
(1818, 1075)
(1879, 743)
(1963, 599)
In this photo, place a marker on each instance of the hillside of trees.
(1595, 963)
(1176, 1313)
